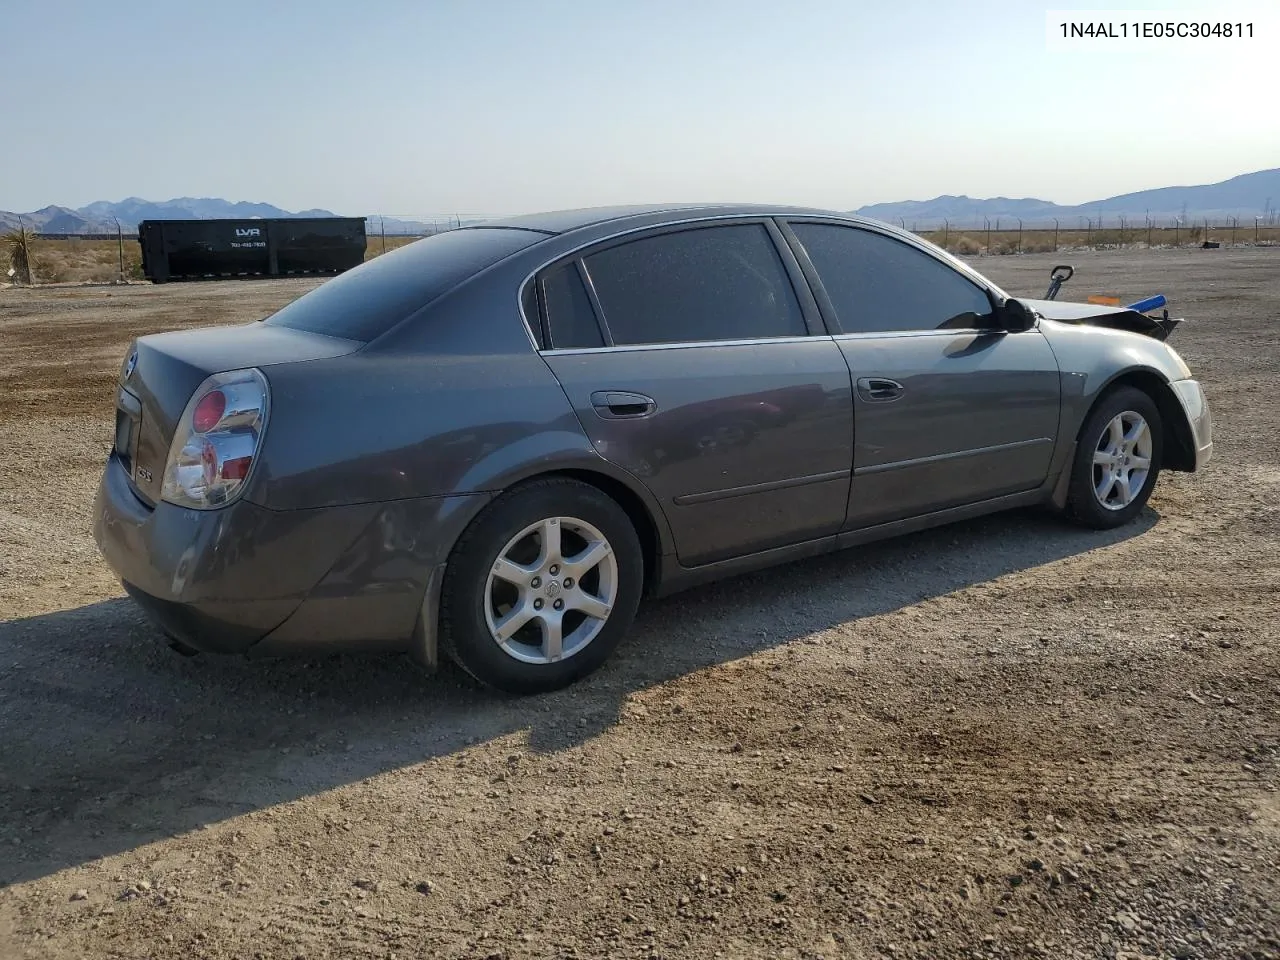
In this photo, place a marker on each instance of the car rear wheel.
(1117, 460)
(542, 587)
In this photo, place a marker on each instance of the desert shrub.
(86, 261)
(20, 246)
(965, 246)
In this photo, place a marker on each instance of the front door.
(948, 418)
(948, 409)
(690, 364)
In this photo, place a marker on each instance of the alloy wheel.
(1122, 460)
(551, 590)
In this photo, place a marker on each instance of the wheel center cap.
(552, 589)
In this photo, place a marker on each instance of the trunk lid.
(162, 371)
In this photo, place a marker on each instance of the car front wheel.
(542, 586)
(1117, 460)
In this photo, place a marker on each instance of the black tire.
(464, 633)
(1083, 505)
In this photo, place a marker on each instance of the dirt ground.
(1006, 738)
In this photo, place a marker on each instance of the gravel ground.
(1006, 738)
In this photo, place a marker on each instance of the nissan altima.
(492, 443)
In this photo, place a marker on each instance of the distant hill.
(100, 217)
(1246, 196)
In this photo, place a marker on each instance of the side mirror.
(1016, 316)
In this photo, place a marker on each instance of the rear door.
(948, 408)
(693, 363)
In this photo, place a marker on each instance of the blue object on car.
(1151, 303)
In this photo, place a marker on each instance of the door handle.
(879, 389)
(622, 405)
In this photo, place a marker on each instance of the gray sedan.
(493, 442)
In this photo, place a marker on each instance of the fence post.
(382, 222)
(120, 247)
(988, 225)
(1088, 236)
(1235, 222)
(946, 233)
(1255, 230)
(1055, 234)
(1148, 233)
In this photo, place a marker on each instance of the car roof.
(565, 221)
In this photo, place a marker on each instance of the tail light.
(216, 441)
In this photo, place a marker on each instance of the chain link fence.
(107, 252)
(1004, 235)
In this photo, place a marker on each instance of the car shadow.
(109, 740)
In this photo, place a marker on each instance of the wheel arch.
(638, 512)
(1178, 442)
(640, 507)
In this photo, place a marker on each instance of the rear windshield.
(366, 302)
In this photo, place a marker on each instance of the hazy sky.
(491, 107)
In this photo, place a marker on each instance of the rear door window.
(571, 320)
(704, 284)
(366, 302)
(881, 285)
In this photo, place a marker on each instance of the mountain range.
(1245, 197)
(100, 217)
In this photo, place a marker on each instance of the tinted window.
(880, 284)
(717, 283)
(371, 299)
(529, 303)
(570, 317)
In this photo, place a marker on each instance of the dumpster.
(233, 249)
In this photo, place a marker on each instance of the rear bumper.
(197, 625)
(245, 579)
(1196, 407)
(218, 580)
